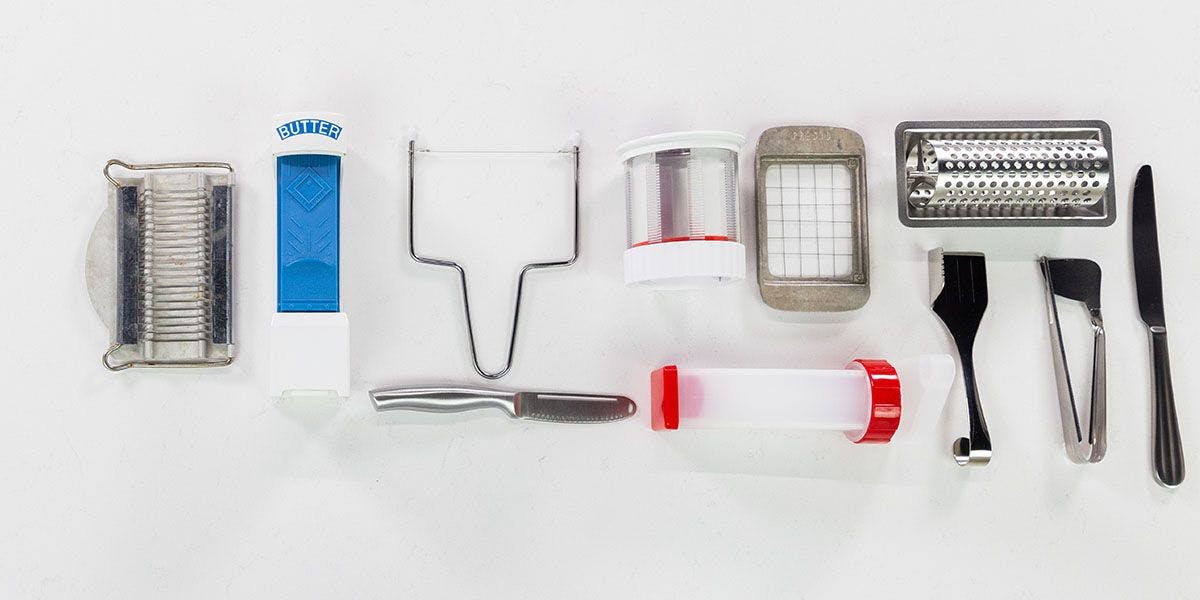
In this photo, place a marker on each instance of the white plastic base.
(685, 265)
(310, 355)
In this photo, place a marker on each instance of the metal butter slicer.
(1078, 279)
(159, 265)
(1005, 173)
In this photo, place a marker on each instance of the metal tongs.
(1078, 279)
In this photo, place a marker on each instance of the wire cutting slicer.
(569, 151)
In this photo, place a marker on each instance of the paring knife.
(1147, 271)
(536, 406)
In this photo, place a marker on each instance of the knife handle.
(444, 400)
(1168, 449)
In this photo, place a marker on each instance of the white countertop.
(196, 485)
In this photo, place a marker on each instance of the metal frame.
(573, 152)
(814, 145)
(105, 358)
(908, 131)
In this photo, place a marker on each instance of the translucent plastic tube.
(863, 400)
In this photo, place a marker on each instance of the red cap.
(664, 398)
(885, 402)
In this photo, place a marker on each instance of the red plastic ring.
(885, 402)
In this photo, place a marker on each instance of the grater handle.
(1168, 449)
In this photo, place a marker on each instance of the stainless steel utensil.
(810, 187)
(960, 299)
(571, 152)
(1004, 173)
(1078, 279)
(537, 406)
(160, 265)
(1147, 271)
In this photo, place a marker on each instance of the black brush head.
(964, 294)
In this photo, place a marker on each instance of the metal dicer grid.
(809, 222)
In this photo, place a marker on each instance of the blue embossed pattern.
(308, 232)
(309, 188)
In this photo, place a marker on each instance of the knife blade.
(554, 407)
(1147, 272)
(1147, 267)
(572, 408)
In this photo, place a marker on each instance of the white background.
(196, 485)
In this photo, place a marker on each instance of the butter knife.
(1147, 271)
(552, 407)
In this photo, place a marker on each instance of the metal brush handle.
(976, 449)
(1168, 449)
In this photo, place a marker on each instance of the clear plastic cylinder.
(682, 207)
(683, 194)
